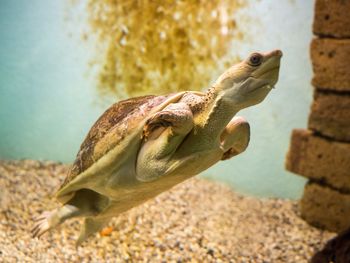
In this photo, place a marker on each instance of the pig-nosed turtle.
(143, 146)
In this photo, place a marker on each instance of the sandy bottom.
(197, 221)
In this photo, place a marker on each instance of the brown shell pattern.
(111, 128)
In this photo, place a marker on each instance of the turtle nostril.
(277, 52)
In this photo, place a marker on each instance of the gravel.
(197, 221)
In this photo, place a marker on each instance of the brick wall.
(322, 153)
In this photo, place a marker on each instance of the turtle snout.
(277, 53)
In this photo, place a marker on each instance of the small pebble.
(106, 231)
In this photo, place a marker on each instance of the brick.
(325, 208)
(319, 159)
(331, 64)
(332, 18)
(330, 115)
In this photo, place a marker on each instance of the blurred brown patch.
(162, 46)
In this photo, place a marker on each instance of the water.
(48, 101)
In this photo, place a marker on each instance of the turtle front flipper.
(176, 116)
(163, 133)
(235, 137)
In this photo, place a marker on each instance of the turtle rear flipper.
(84, 203)
(91, 226)
(50, 219)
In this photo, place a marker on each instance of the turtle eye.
(255, 59)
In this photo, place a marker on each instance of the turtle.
(143, 146)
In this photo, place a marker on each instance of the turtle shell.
(111, 128)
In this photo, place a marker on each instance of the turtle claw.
(44, 215)
(159, 120)
(42, 224)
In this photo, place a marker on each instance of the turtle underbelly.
(127, 196)
(196, 162)
(126, 192)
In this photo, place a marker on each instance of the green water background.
(48, 101)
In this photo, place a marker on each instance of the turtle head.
(248, 82)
